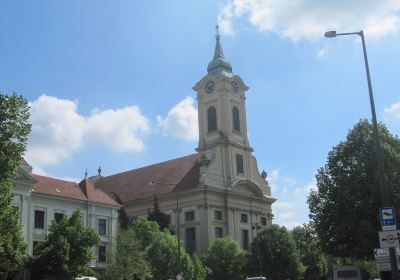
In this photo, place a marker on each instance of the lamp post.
(152, 183)
(378, 150)
(257, 226)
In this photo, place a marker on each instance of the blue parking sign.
(388, 218)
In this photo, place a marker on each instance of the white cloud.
(287, 215)
(58, 130)
(393, 111)
(310, 18)
(392, 117)
(181, 121)
(306, 189)
(272, 178)
(291, 207)
(320, 54)
(118, 129)
(283, 204)
(292, 224)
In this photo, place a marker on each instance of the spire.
(219, 65)
(218, 50)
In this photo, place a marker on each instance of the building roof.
(83, 191)
(161, 178)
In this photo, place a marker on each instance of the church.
(215, 192)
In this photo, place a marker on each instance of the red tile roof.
(95, 194)
(156, 179)
(84, 191)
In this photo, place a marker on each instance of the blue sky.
(110, 81)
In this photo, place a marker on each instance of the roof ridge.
(53, 178)
(151, 165)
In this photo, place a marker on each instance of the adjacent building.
(41, 199)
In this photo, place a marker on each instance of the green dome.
(219, 65)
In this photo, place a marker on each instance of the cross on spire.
(217, 27)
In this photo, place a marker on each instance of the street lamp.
(152, 183)
(257, 226)
(378, 149)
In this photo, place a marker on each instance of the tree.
(280, 257)
(312, 258)
(130, 260)
(199, 270)
(14, 130)
(344, 208)
(161, 251)
(158, 216)
(226, 260)
(66, 251)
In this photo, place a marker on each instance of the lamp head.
(330, 34)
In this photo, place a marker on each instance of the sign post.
(382, 259)
(389, 238)
(388, 218)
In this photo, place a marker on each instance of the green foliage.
(344, 209)
(226, 260)
(157, 216)
(199, 270)
(279, 255)
(162, 251)
(312, 258)
(163, 256)
(14, 130)
(66, 251)
(130, 260)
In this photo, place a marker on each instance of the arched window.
(212, 118)
(235, 118)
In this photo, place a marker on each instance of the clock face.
(210, 86)
(235, 86)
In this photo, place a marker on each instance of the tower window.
(218, 215)
(219, 232)
(102, 254)
(189, 216)
(212, 119)
(102, 226)
(245, 239)
(58, 216)
(39, 219)
(235, 119)
(191, 240)
(239, 164)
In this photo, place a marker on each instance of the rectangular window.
(102, 226)
(245, 239)
(263, 221)
(218, 215)
(219, 232)
(39, 219)
(239, 164)
(58, 216)
(189, 216)
(191, 240)
(102, 254)
(243, 218)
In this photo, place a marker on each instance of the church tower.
(224, 149)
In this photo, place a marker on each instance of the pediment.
(247, 187)
(24, 177)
